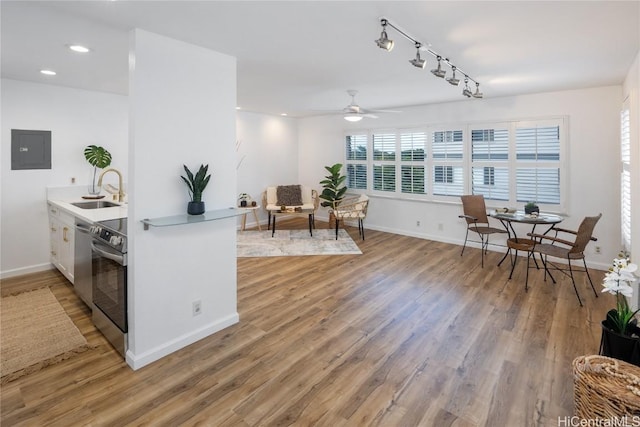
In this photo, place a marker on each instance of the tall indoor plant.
(620, 333)
(333, 188)
(196, 185)
(99, 158)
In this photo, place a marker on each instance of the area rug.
(36, 332)
(295, 243)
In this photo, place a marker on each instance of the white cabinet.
(62, 238)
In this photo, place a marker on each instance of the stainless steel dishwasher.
(82, 264)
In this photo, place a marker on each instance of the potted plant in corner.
(99, 158)
(333, 189)
(620, 333)
(196, 185)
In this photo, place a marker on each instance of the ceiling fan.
(354, 113)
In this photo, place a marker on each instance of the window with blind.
(625, 177)
(448, 172)
(510, 162)
(489, 162)
(384, 165)
(413, 153)
(538, 163)
(356, 161)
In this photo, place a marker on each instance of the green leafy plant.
(196, 183)
(530, 205)
(333, 188)
(618, 282)
(99, 158)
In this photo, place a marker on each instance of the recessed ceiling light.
(48, 72)
(283, 114)
(78, 48)
(238, 108)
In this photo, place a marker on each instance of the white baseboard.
(26, 270)
(137, 361)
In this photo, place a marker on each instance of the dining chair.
(475, 214)
(351, 208)
(566, 249)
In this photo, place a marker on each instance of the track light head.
(466, 91)
(383, 42)
(439, 72)
(477, 93)
(453, 80)
(417, 61)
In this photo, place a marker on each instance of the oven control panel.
(109, 237)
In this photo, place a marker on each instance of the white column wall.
(76, 118)
(182, 100)
(593, 160)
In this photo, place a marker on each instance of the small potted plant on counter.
(196, 185)
(99, 158)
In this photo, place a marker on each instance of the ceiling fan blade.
(370, 116)
(384, 111)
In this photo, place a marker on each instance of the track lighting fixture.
(439, 72)
(417, 61)
(383, 42)
(477, 93)
(466, 91)
(453, 80)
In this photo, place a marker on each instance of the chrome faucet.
(120, 189)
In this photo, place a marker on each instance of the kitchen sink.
(98, 204)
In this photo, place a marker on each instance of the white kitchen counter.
(91, 215)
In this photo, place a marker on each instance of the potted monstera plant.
(196, 183)
(333, 189)
(99, 158)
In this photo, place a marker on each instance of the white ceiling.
(301, 57)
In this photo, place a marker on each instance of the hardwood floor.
(407, 334)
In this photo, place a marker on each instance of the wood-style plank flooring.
(407, 334)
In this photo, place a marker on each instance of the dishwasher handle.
(83, 228)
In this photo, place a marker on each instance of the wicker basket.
(605, 388)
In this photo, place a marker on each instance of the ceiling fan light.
(353, 117)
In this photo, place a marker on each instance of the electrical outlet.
(417, 223)
(440, 227)
(197, 307)
(73, 180)
(597, 249)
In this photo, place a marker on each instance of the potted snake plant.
(196, 183)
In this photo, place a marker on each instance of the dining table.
(514, 243)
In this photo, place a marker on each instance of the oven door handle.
(109, 255)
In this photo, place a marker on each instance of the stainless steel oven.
(109, 265)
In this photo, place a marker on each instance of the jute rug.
(295, 243)
(36, 332)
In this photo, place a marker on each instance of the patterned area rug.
(295, 243)
(36, 332)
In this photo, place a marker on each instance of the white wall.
(182, 100)
(267, 154)
(76, 118)
(593, 150)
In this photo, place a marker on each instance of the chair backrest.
(473, 205)
(584, 233)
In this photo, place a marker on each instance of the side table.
(255, 216)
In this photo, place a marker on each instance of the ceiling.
(300, 57)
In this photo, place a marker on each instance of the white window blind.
(538, 164)
(447, 144)
(489, 155)
(625, 178)
(384, 177)
(448, 180)
(356, 161)
(384, 146)
(413, 153)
